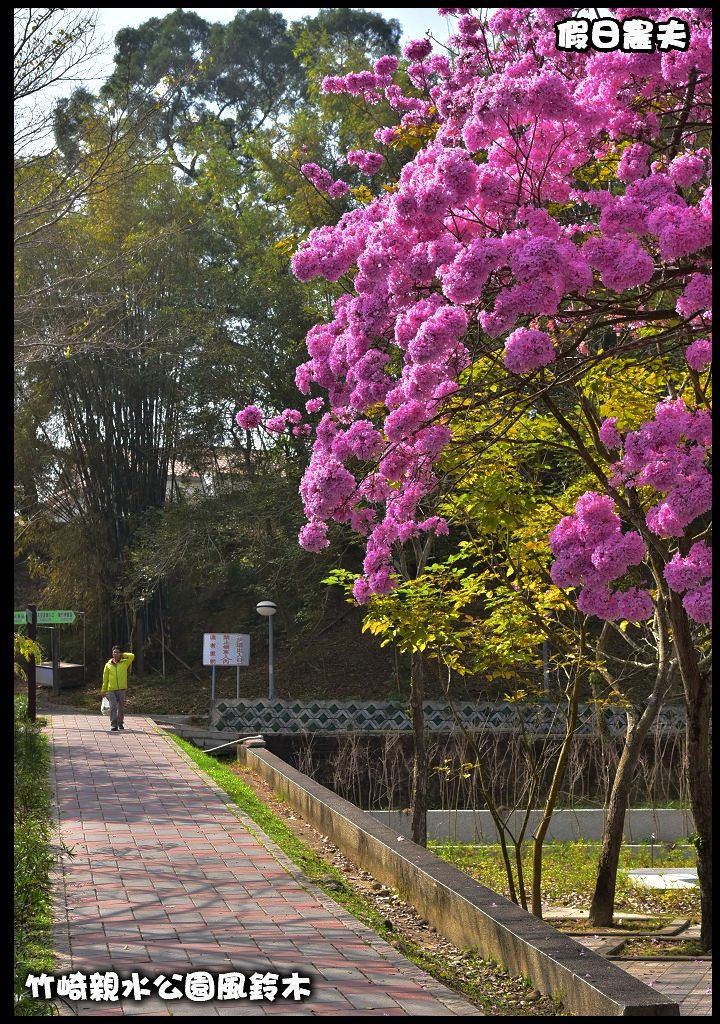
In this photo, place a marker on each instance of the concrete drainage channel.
(612, 945)
(465, 912)
(642, 825)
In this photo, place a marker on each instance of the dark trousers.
(117, 707)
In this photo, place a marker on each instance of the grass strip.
(471, 977)
(33, 917)
(570, 871)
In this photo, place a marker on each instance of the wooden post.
(32, 635)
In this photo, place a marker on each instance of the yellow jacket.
(115, 676)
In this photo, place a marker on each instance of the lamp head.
(266, 608)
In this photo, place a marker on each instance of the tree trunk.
(603, 902)
(139, 642)
(700, 787)
(696, 685)
(419, 779)
(558, 775)
(602, 907)
(500, 824)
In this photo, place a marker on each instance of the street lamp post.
(268, 609)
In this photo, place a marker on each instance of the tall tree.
(535, 231)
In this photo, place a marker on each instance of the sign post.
(225, 649)
(53, 618)
(55, 658)
(32, 689)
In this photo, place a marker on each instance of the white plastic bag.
(104, 706)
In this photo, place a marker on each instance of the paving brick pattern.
(168, 877)
(686, 981)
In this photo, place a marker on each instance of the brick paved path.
(167, 878)
(687, 982)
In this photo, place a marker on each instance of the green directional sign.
(55, 618)
(21, 618)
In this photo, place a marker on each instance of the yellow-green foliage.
(24, 649)
(488, 605)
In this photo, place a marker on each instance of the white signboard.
(226, 649)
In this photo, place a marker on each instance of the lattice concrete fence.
(250, 715)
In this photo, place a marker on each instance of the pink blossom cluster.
(385, 68)
(356, 84)
(492, 230)
(386, 135)
(417, 49)
(623, 263)
(692, 573)
(313, 536)
(249, 417)
(289, 420)
(688, 572)
(527, 349)
(367, 161)
(669, 453)
(697, 296)
(633, 163)
(685, 170)
(609, 434)
(680, 229)
(699, 354)
(334, 250)
(323, 181)
(591, 552)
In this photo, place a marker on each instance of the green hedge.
(33, 860)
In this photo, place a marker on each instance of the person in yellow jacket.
(114, 685)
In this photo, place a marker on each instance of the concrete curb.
(467, 913)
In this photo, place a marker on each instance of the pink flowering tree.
(556, 220)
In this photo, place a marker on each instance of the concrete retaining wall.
(467, 913)
(478, 827)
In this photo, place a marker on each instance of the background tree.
(151, 306)
(51, 46)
